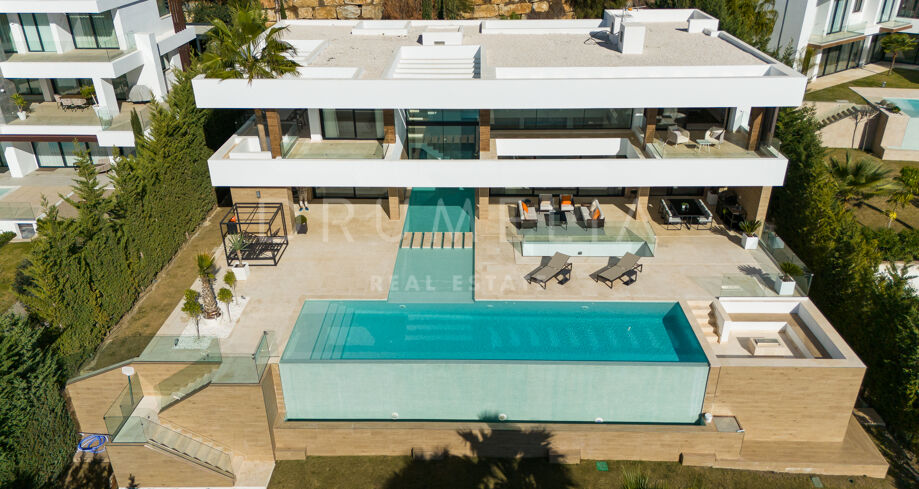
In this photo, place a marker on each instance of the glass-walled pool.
(627, 362)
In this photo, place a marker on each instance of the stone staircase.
(703, 314)
(838, 113)
(438, 240)
(190, 446)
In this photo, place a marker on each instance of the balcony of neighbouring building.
(850, 33)
(75, 115)
(895, 25)
(76, 63)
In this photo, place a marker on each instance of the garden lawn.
(11, 255)
(871, 213)
(131, 335)
(900, 78)
(460, 473)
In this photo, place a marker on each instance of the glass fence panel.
(780, 253)
(118, 413)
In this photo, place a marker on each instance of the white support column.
(47, 90)
(105, 95)
(19, 37)
(151, 73)
(315, 125)
(20, 159)
(60, 32)
(739, 119)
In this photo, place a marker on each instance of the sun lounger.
(624, 266)
(557, 265)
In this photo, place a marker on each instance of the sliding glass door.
(37, 31)
(352, 124)
(886, 10)
(6, 36)
(63, 154)
(93, 31)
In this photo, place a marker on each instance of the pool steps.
(429, 240)
(705, 317)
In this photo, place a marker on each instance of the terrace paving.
(350, 252)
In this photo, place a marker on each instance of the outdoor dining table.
(686, 209)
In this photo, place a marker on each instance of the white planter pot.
(711, 198)
(749, 242)
(22, 115)
(785, 288)
(241, 272)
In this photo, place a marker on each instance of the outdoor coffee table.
(557, 218)
(705, 143)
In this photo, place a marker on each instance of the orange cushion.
(526, 208)
(596, 214)
(566, 201)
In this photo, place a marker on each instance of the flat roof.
(665, 44)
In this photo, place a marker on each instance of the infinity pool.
(532, 361)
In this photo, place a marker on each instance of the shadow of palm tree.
(501, 457)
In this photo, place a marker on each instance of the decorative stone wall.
(373, 9)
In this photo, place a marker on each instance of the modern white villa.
(502, 227)
(82, 68)
(837, 35)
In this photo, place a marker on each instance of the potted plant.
(236, 243)
(301, 224)
(20, 105)
(749, 240)
(786, 283)
(89, 93)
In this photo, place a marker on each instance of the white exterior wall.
(20, 159)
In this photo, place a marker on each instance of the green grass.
(462, 473)
(871, 213)
(900, 78)
(11, 255)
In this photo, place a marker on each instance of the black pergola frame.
(265, 233)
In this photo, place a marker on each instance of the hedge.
(84, 273)
(6, 236)
(876, 315)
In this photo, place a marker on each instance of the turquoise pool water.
(622, 362)
(432, 275)
(4, 191)
(440, 210)
(909, 106)
(485, 330)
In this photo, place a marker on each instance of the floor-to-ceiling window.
(442, 134)
(909, 8)
(838, 11)
(37, 31)
(561, 119)
(6, 36)
(93, 31)
(27, 86)
(352, 124)
(70, 86)
(163, 7)
(886, 10)
(908, 57)
(64, 154)
(577, 192)
(350, 192)
(842, 57)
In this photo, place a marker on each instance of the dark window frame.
(37, 31)
(92, 26)
(857, 6)
(353, 124)
(838, 11)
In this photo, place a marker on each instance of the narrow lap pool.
(532, 361)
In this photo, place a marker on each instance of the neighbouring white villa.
(82, 67)
(494, 228)
(837, 35)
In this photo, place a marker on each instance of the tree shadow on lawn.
(502, 457)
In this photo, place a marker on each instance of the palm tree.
(857, 181)
(245, 49)
(895, 44)
(905, 188)
(205, 264)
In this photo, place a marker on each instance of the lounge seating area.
(558, 211)
(557, 268)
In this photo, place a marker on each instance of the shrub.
(6, 236)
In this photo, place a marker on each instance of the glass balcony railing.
(849, 32)
(636, 234)
(123, 406)
(779, 253)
